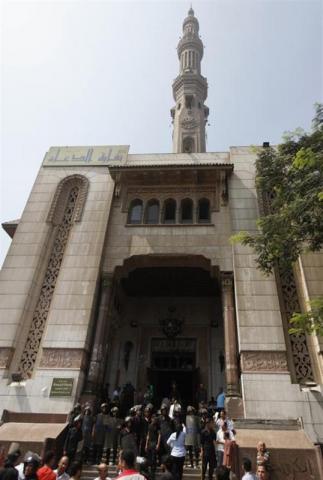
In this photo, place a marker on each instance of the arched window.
(135, 211)
(203, 213)
(188, 145)
(169, 215)
(152, 212)
(187, 211)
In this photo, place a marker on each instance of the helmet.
(190, 409)
(115, 410)
(33, 460)
(149, 406)
(128, 419)
(104, 405)
(78, 418)
(177, 408)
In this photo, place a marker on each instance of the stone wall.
(67, 325)
(267, 386)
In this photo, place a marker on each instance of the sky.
(100, 73)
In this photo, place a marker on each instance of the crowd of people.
(149, 437)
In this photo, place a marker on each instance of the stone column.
(97, 354)
(230, 336)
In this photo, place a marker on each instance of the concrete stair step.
(90, 472)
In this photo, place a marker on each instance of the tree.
(289, 180)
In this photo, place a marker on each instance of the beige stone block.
(73, 302)
(245, 204)
(79, 287)
(248, 225)
(8, 333)
(36, 196)
(68, 317)
(103, 196)
(272, 388)
(248, 274)
(36, 207)
(11, 315)
(15, 301)
(31, 227)
(238, 182)
(94, 215)
(89, 226)
(33, 217)
(225, 264)
(18, 287)
(80, 249)
(81, 261)
(29, 238)
(21, 261)
(96, 206)
(312, 260)
(18, 249)
(242, 174)
(264, 335)
(260, 318)
(244, 214)
(245, 261)
(260, 287)
(240, 249)
(75, 273)
(47, 177)
(7, 274)
(313, 273)
(257, 302)
(98, 187)
(236, 194)
(315, 288)
(79, 237)
(65, 335)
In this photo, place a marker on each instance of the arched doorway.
(171, 313)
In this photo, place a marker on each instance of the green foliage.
(291, 176)
(309, 322)
(289, 179)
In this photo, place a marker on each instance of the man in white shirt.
(61, 469)
(221, 418)
(247, 467)
(220, 442)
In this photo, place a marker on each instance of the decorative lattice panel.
(298, 343)
(290, 304)
(36, 330)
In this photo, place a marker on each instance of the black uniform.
(208, 437)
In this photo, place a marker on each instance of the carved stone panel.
(5, 356)
(63, 358)
(264, 362)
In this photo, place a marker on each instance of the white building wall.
(70, 313)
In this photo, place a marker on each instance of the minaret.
(190, 91)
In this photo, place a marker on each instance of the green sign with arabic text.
(62, 387)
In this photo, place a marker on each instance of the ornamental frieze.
(5, 356)
(189, 123)
(264, 361)
(63, 358)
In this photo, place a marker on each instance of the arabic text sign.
(82, 156)
(62, 387)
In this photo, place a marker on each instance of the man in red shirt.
(127, 464)
(46, 472)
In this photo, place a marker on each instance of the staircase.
(90, 472)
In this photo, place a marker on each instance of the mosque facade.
(121, 270)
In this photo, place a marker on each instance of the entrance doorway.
(169, 312)
(186, 382)
(174, 360)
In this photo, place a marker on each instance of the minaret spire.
(190, 91)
